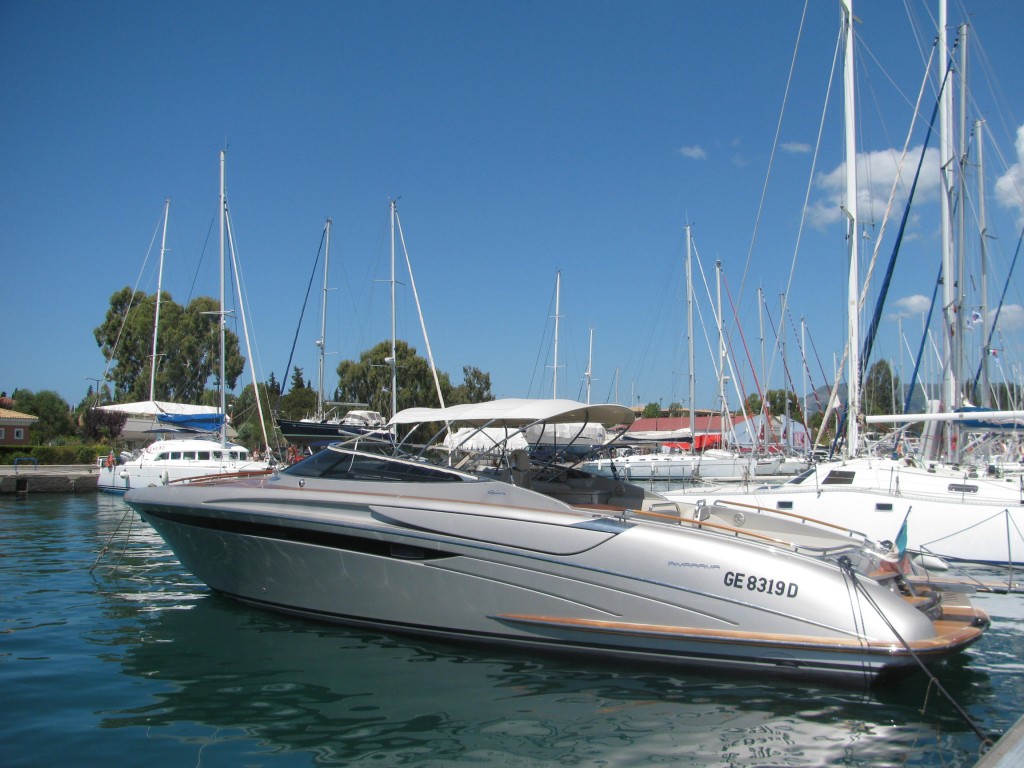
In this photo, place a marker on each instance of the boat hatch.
(962, 488)
(839, 477)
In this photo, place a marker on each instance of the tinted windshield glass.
(337, 465)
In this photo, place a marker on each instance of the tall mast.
(689, 332)
(764, 374)
(960, 252)
(322, 341)
(786, 428)
(986, 393)
(721, 348)
(558, 295)
(590, 363)
(159, 291)
(394, 352)
(852, 302)
(949, 384)
(803, 371)
(221, 318)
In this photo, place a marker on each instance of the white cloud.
(1010, 186)
(875, 174)
(1011, 318)
(796, 147)
(910, 306)
(695, 152)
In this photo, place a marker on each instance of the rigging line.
(814, 164)
(541, 351)
(419, 310)
(243, 300)
(700, 313)
(775, 145)
(920, 351)
(821, 369)
(863, 294)
(765, 411)
(746, 350)
(730, 362)
(131, 301)
(846, 565)
(106, 545)
(999, 306)
(869, 340)
(892, 197)
(298, 327)
(781, 330)
(199, 264)
(806, 370)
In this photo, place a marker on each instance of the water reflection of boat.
(232, 677)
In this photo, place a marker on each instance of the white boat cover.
(658, 436)
(486, 440)
(156, 407)
(517, 412)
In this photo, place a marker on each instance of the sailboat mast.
(949, 384)
(785, 379)
(558, 294)
(689, 333)
(220, 317)
(764, 373)
(961, 251)
(322, 341)
(986, 393)
(853, 300)
(590, 363)
(159, 291)
(721, 348)
(394, 343)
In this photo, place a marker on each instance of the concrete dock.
(44, 478)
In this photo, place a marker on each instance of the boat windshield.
(333, 464)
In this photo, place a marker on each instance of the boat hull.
(175, 461)
(953, 516)
(551, 578)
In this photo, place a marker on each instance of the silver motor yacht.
(484, 545)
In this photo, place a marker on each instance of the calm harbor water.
(112, 654)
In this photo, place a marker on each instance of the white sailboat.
(182, 459)
(328, 426)
(951, 512)
(673, 465)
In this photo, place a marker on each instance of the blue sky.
(519, 138)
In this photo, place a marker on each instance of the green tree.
(475, 387)
(881, 390)
(651, 411)
(102, 426)
(188, 351)
(752, 404)
(245, 417)
(368, 380)
(300, 401)
(776, 403)
(53, 412)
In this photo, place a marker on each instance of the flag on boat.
(898, 559)
(901, 539)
